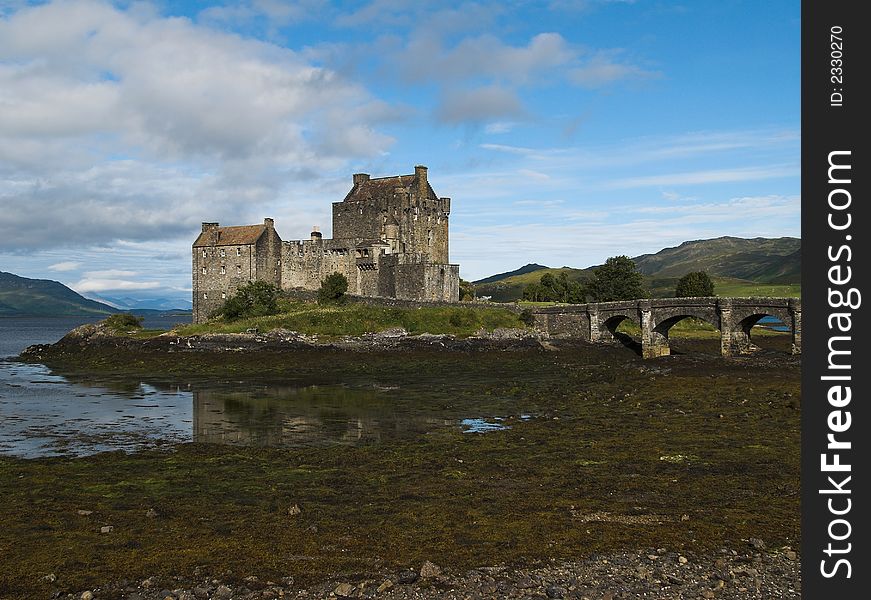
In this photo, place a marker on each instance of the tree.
(694, 284)
(467, 290)
(554, 289)
(254, 299)
(617, 279)
(333, 288)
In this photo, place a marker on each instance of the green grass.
(359, 318)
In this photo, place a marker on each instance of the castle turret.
(422, 185)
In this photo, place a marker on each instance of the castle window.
(238, 269)
(223, 295)
(279, 262)
(223, 270)
(204, 252)
(238, 251)
(205, 296)
(204, 270)
(223, 253)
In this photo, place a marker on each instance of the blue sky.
(565, 132)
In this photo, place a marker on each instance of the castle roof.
(382, 187)
(240, 235)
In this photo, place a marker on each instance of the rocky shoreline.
(99, 337)
(752, 572)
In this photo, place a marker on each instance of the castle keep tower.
(390, 239)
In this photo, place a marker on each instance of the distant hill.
(738, 266)
(531, 267)
(138, 305)
(21, 296)
(764, 260)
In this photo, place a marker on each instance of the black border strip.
(834, 273)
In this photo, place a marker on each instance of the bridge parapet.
(734, 317)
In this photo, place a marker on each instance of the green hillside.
(738, 267)
(21, 296)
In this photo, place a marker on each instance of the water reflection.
(307, 416)
(43, 413)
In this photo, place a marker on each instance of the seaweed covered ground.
(692, 453)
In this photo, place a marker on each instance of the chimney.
(360, 178)
(316, 234)
(209, 227)
(270, 223)
(420, 175)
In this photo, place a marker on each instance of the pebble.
(294, 510)
(345, 590)
(429, 570)
(87, 595)
(106, 529)
(386, 585)
(682, 560)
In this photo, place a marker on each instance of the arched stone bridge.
(734, 317)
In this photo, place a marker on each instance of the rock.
(708, 594)
(757, 544)
(151, 513)
(790, 555)
(50, 578)
(684, 517)
(429, 570)
(84, 513)
(222, 592)
(149, 583)
(294, 510)
(106, 529)
(345, 590)
(407, 577)
(682, 560)
(89, 595)
(553, 591)
(386, 585)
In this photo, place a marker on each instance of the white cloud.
(602, 69)
(707, 176)
(124, 124)
(478, 105)
(62, 267)
(106, 285)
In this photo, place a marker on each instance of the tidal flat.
(601, 452)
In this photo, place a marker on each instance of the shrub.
(333, 288)
(527, 317)
(254, 299)
(123, 322)
(694, 285)
(617, 279)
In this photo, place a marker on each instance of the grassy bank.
(359, 318)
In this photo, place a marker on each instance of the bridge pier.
(653, 343)
(795, 312)
(593, 317)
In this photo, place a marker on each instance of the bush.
(694, 285)
(555, 289)
(333, 288)
(617, 279)
(527, 317)
(254, 299)
(467, 290)
(123, 322)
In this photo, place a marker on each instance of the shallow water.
(43, 413)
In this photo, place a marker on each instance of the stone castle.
(390, 239)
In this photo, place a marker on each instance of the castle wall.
(218, 271)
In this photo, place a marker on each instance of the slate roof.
(382, 187)
(232, 236)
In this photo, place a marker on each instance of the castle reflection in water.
(307, 416)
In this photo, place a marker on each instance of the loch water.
(45, 413)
